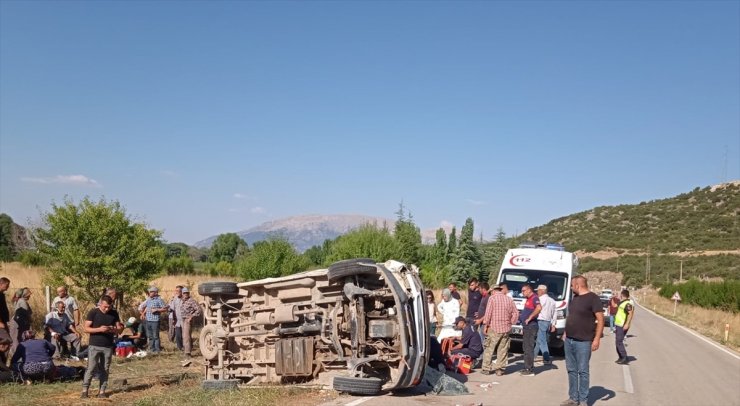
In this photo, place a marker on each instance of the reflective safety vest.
(621, 316)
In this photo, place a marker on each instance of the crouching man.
(60, 330)
(470, 344)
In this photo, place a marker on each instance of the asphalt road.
(669, 366)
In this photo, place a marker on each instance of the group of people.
(485, 330)
(33, 357)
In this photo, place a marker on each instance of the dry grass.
(709, 322)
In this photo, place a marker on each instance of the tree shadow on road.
(599, 393)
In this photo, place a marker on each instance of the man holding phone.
(103, 324)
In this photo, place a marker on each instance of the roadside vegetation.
(724, 295)
(709, 322)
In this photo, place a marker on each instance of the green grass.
(161, 381)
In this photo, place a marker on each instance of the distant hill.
(13, 237)
(705, 219)
(305, 231)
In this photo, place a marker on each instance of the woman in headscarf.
(32, 358)
(21, 320)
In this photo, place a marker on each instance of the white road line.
(358, 401)
(697, 335)
(627, 379)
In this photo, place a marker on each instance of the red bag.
(460, 363)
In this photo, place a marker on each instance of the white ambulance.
(540, 264)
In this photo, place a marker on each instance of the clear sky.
(210, 117)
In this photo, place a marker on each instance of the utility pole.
(680, 274)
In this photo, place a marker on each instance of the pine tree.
(467, 261)
(451, 245)
(440, 248)
(494, 253)
(408, 236)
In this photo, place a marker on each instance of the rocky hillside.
(702, 220)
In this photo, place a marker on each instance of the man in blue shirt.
(60, 330)
(470, 344)
(150, 312)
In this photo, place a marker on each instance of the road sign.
(676, 296)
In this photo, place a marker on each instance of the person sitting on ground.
(436, 358)
(6, 374)
(470, 344)
(60, 330)
(32, 358)
(138, 335)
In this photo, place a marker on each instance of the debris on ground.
(442, 384)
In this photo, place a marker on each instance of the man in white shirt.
(449, 307)
(70, 304)
(546, 323)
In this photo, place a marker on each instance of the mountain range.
(306, 231)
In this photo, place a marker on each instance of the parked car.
(361, 323)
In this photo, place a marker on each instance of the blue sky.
(210, 117)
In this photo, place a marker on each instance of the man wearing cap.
(501, 313)
(138, 333)
(188, 309)
(151, 310)
(470, 344)
(545, 322)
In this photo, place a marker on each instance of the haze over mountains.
(306, 231)
(704, 218)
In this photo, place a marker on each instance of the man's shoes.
(102, 395)
(84, 395)
(527, 372)
(569, 402)
(484, 372)
(622, 361)
(548, 362)
(499, 372)
(74, 358)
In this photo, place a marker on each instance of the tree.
(6, 238)
(493, 254)
(408, 236)
(467, 261)
(227, 247)
(366, 241)
(176, 249)
(440, 248)
(93, 245)
(271, 258)
(451, 244)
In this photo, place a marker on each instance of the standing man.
(501, 313)
(583, 328)
(450, 309)
(456, 294)
(175, 317)
(528, 319)
(151, 309)
(613, 304)
(102, 323)
(188, 309)
(4, 319)
(545, 322)
(622, 320)
(483, 288)
(72, 309)
(61, 330)
(474, 299)
(4, 312)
